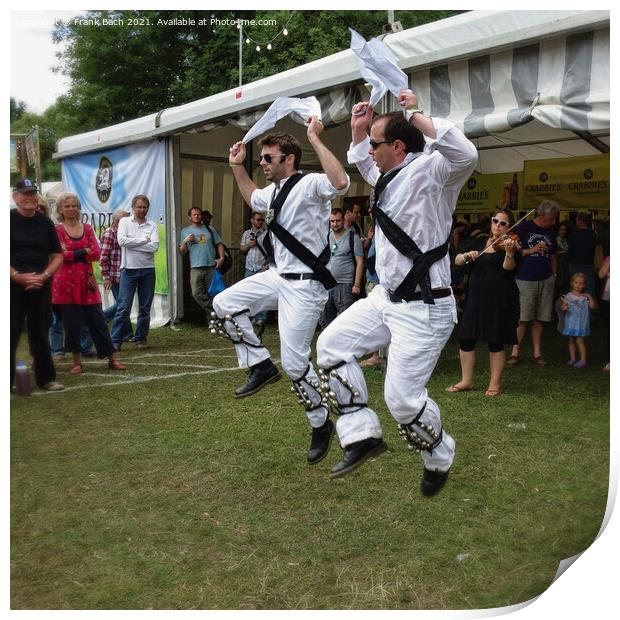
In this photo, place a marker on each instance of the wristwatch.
(411, 111)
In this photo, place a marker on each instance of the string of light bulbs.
(267, 44)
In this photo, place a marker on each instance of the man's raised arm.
(236, 157)
(331, 166)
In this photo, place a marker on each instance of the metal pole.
(240, 54)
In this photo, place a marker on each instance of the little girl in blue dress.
(577, 305)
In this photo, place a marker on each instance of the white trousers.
(417, 333)
(299, 304)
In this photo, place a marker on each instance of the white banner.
(106, 181)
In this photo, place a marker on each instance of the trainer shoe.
(53, 386)
(259, 376)
(356, 453)
(320, 442)
(141, 344)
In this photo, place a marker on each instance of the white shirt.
(305, 214)
(136, 251)
(420, 199)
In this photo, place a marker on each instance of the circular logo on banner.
(588, 174)
(103, 180)
(543, 177)
(471, 183)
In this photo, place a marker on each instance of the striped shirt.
(110, 261)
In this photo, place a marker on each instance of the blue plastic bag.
(217, 284)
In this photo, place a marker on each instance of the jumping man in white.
(289, 285)
(430, 159)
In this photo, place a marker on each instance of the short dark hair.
(140, 197)
(289, 145)
(350, 205)
(397, 127)
(189, 211)
(337, 211)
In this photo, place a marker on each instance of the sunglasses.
(374, 143)
(269, 158)
(334, 248)
(499, 222)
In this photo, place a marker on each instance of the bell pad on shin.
(420, 436)
(329, 395)
(217, 326)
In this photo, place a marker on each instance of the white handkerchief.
(378, 66)
(301, 109)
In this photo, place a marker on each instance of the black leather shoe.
(432, 481)
(259, 376)
(356, 453)
(320, 442)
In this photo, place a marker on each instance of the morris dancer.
(417, 166)
(297, 208)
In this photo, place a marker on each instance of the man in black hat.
(35, 256)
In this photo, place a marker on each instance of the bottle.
(514, 193)
(22, 379)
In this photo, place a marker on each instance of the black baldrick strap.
(422, 261)
(317, 264)
(274, 210)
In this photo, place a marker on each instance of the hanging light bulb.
(247, 41)
(268, 46)
(285, 32)
(258, 48)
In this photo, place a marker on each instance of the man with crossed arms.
(425, 162)
(289, 285)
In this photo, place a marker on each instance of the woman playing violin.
(491, 312)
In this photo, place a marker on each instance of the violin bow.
(503, 236)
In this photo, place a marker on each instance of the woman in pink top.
(74, 289)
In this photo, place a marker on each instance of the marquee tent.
(523, 85)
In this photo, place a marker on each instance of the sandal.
(492, 393)
(76, 370)
(540, 360)
(114, 364)
(513, 360)
(454, 389)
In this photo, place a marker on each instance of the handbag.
(217, 283)
(91, 283)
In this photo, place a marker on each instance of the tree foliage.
(152, 60)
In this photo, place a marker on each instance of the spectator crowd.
(546, 272)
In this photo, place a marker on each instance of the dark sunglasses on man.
(269, 158)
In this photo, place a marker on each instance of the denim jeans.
(141, 281)
(110, 313)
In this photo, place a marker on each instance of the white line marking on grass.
(137, 380)
(181, 353)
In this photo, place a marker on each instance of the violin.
(500, 241)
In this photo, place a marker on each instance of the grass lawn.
(155, 489)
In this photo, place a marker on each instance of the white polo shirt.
(136, 251)
(305, 214)
(420, 199)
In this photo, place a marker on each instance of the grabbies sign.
(575, 183)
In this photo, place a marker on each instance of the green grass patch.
(155, 488)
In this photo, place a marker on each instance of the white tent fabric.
(562, 83)
(487, 70)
